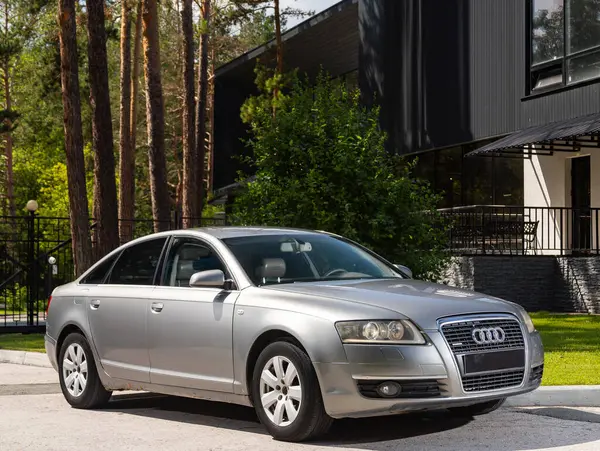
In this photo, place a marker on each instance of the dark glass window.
(98, 274)
(547, 30)
(584, 68)
(479, 186)
(187, 256)
(448, 175)
(137, 264)
(471, 181)
(558, 62)
(508, 181)
(583, 24)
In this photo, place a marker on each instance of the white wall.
(547, 183)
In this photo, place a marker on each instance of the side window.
(98, 275)
(137, 264)
(187, 256)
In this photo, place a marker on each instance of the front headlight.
(527, 320)
(380, 332)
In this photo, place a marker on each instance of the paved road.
(142, 422)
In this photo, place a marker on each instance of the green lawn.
(571, 343)
(22, 342)
(572, 348)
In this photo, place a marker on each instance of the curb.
(38, 359)
(558, 396)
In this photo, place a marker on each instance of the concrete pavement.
(137, 421)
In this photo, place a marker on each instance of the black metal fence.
(36, 256)
(504, 230)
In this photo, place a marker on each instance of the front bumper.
(434, 362)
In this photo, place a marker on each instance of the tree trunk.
(135, 82)
(278, 37)
(105, 188)
(201, 106)
(279, 51)
(126, 151)
(190, 165)
(10, 195)
(12, 211)
(155, 118)
(69, 74)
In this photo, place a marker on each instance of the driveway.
(35, 416)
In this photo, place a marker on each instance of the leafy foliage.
(321, 163)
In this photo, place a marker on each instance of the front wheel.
(477, 409)
(287, 396)
(79, 380)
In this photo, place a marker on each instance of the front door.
(581, 203)
(190, 329)
(118, 311)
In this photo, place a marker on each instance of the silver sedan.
(305, 326)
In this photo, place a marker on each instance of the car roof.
(239, 232)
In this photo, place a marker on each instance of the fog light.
(389, 389)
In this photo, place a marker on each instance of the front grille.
(459, 335)
(493, 381)
(410, 389)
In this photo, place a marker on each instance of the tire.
(295, 412)
(84, 390)
(478, 409)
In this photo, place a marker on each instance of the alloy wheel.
(280, 391)
(75, 370)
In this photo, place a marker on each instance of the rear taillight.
(48, 305)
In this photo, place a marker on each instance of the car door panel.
(190, 336)
(118, 326)
(190, 339)
(118, 306)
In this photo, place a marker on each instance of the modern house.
(500, 102)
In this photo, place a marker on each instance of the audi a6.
(304, 326)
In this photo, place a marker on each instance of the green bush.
(320, 163)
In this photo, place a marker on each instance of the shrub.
(320, 163)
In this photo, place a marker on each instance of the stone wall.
(538, 283)
(583, 274)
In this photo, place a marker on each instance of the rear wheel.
(477, 409)
(286, 394)
(79, 380)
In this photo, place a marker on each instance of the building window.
(565, 42)
(471, 181)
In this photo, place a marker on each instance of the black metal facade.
(444, 72)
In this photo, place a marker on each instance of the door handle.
(95, 304)
(157, 307)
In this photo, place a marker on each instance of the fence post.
(32, 266)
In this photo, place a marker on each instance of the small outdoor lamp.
(32, 206)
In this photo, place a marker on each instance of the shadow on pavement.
(187, 410)
(503, 430)
(230, 416)
(564, 413)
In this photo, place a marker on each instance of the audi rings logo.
(490, 335)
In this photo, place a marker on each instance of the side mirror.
(405, 270)
(208, 279)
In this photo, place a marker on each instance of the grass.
(571, 345)
(23, 342)
(572, 348)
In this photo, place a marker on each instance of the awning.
(571, 135)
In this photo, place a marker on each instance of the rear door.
(118, 311)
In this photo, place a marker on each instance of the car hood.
(423, 302)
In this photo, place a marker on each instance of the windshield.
(289, 258)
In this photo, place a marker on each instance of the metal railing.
(26, 276)
(516, 230)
